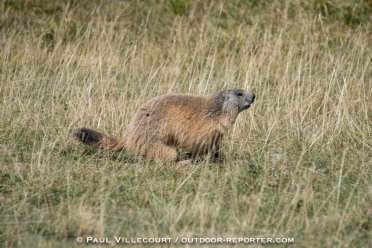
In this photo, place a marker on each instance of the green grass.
(298, 164)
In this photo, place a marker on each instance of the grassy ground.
(298, 164)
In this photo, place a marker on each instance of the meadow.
(297, 164)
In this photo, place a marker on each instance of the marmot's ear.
(225, 95)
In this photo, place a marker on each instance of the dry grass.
(297, 164)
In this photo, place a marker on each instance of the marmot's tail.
(100, 140)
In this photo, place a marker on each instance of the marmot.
(166, 123)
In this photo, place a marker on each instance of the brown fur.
(166, 123)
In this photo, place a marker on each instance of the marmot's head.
(237, 100)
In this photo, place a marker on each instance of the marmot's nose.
(253, 97)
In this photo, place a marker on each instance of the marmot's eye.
(239, 94)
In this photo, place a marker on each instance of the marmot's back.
(193, 123)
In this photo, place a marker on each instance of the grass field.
(297, 164)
